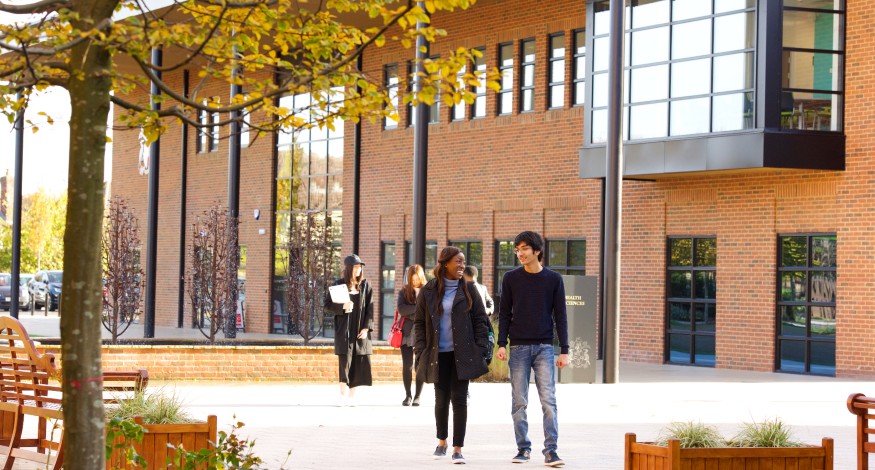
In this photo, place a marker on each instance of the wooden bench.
(864, 408)
(29, 390)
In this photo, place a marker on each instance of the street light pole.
(614, 195)
(152, 213)
(14, 288)
(420, 155)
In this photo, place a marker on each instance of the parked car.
(5, 291)
(45, 288)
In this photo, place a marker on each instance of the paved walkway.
(593, 418)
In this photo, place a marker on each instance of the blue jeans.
(524, 358)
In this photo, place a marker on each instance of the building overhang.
(743, 151)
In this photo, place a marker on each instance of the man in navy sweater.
(532, 302)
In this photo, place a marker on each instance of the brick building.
(746, 209)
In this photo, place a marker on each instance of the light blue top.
(445, 342)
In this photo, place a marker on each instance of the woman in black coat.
(353, 323)
(451, 337)
(406, 306)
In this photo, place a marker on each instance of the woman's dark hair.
(347, 276)
(440, 270)
(533, 240)
(409, 290)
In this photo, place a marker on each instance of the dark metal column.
(356, 169)
(183, 198)
(614, 195)
(152, 214)
(601, 349)
(234, 199)
(420, 156)
(14, 288)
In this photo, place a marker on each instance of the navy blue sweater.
(530, 304)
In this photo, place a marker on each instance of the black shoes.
(439, 452)
(407, 401)
(458, 459)
(522, 456)
(415, 401)
(551, 459)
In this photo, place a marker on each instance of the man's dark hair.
(533, 239)
(471, 271)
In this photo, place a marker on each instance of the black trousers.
(407, 371)
(448, 389)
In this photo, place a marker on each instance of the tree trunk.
(89, 88)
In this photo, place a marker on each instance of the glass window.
(527, 75)
(557, 71)
(459, 111)
(566, 256)
(579, 77)
(202, 131)
(387, 288)
(677, 50)
(430, 257)
(309, 178)
(806, 304)
(691, 301)
(505, 261)
(505, 68)
(479, 106)
(391, 82)
(214, 131)
(473, 251)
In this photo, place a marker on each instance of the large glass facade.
(309, 179)
(691, 301)
(806, 334)
(812, 75)
(689, 68)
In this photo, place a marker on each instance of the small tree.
(210, 280)
(123, 276)
(310, 257)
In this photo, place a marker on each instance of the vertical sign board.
(580, 303)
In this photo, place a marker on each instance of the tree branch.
(38, 7)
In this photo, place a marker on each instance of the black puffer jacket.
(469, 333)
(362, 314)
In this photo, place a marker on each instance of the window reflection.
(686, 9)
(649, 46)
(649, 12)
(733, 72)
(649, 83)
(691, 39)
(690, 78)
(732, 112)
(648, 121)
(734, 32)
(692, 307)
(690, 116)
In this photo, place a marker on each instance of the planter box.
(192, 436)
(646, 456)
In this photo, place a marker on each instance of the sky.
(46, 151)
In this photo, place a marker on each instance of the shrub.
(768, 433)
(157, 407)
(691, 435)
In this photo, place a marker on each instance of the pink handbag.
(395, 335)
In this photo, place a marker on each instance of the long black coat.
(363, 314)
(470, 333)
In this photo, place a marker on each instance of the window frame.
(392, 89)
(408, 256)
(479, 69)
(502, 47)
(462, 106)
(808, 339)
(498, 268)
(552, 83)
(522, 71)
(575, 99)
(693, 300)
(464, 244)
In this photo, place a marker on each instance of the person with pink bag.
(405, 306)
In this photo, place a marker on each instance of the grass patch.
(767, 433)
(156, 407)
(691, 434)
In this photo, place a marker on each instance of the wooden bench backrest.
(864, 408)
(29, 380)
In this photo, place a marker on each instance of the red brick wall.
(250, 363)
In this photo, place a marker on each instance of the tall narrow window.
(214, 132)
(473, 251)
(479, 107)
(505, 260)
(387, 288)
(434, 110)
(244, 130)
(691, 301)
(579, 92)
(813, 65)
(806, 335)
(458, 112)
(505, 67)
(430, 256)
(202, 131)
(527, 75)
(391, 84)
(411, 84)
(566, 256)
(557, 71)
